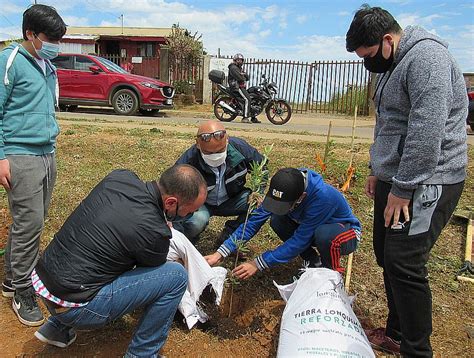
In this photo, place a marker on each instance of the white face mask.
(216, 159)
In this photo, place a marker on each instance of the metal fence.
(320, 86)
(149, 66)
(187, 76)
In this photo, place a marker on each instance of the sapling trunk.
(258, 180)
(328, 144)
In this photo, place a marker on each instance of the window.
(146, 49)
(63, 62)
(109, 65)
(83, 63)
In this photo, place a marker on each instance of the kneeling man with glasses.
(224, 163)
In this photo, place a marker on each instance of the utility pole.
(121, 17)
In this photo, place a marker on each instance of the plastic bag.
(318, 320)
(200, 275)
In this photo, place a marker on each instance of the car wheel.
(125, 102)
(67, 107)
(148, 112)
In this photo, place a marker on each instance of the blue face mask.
(48, 50)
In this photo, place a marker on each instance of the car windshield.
(112, 67)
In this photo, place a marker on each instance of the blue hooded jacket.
(323, 204)
(27, 104)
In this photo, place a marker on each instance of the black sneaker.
(26, 308)
(7, 289)
(48, 333)
(313, 263)
(223, 236)
(255, 120)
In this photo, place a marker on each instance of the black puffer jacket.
(118, 226)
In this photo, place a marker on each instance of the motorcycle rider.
(237, 79)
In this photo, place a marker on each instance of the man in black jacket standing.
(109, 258)
(237, 79)
(224, 163)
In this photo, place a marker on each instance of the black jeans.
(403, 254)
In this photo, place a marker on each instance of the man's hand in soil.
(214, 259)
(246, 270)
(395, 206)
(5, 178)
(370, 186)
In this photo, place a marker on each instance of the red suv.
(470, 114)
(95, 81)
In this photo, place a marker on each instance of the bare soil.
(253, 328)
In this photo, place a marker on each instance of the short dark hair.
(183, 181)
(43, 18)
(368, 27)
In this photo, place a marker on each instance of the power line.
(102, 10)
(6, 18)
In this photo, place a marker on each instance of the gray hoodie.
(421, 108)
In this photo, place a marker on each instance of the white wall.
(69, 47)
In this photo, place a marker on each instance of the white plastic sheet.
(318, 320)
(200, 275)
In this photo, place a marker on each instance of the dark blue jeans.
(157, 289)
(196, 224)
(330, 240)
(403, 254)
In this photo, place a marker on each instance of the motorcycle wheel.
(221, 113)
(278, 112)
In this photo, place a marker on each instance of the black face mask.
(378, 64)
(176, 217)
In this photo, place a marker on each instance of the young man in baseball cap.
(311, 217)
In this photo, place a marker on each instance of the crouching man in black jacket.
(109, 258)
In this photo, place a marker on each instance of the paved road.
(313, 127)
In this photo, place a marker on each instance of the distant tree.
(184, 45)
(186, 52)
(12, 40)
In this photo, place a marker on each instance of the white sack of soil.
(318, 320)
(200, 275)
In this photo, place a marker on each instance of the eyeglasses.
(206, 137)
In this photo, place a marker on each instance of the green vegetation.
(350, 98)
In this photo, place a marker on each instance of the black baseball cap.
(286, 186)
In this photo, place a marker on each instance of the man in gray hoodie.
(418, 165)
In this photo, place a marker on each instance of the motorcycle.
(262, 97)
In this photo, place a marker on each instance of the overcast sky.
(304, 30)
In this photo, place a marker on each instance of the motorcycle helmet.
(238, 56)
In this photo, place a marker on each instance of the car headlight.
(150, 85)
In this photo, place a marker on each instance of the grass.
(86, 154)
